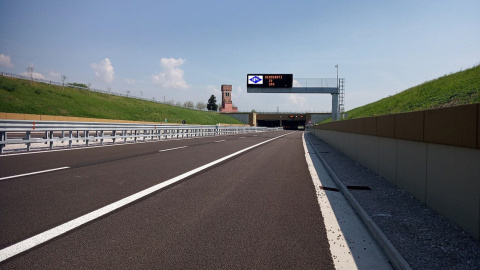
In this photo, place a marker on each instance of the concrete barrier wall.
(434, 155)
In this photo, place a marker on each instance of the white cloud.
(54, 75)
(130, 81)
(239, 90)
(5, 61)
(35, 75)
(298, 101)
(296, 83)
(172, 75)
(104, 70)
(213, 90)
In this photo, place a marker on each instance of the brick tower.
(227, 105)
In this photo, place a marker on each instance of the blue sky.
(185, 50)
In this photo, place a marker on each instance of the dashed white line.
(68, 226)
(170, 149)
(32, 173)
(220, 141)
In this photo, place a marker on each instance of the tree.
(178, 104)
(188, 104)
(212, 103)
(201, 106)
(63, 77)
(30, 71)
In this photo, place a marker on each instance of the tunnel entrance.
(293, 124)
(286, 124)
(268, 123)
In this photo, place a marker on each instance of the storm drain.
(349, 187)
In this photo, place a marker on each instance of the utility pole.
(337, 74)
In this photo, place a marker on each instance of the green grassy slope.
(23, 96)
(450, 90)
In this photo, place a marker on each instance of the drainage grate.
(329, 189)
(359, 188)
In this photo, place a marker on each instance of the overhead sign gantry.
(283, 83)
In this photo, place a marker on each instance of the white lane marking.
(339, 247)
(242, 137)
(32, 173)
(351, 244)
(220, 141)
(68, 226)
(170, 149)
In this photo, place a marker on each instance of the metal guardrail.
(49, 132)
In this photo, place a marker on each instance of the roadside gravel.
(424, 238)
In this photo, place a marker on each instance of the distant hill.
(24, 96)
(450, 90)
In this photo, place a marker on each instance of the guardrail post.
(51, 140)
(28, 137)
(70, 133)
(3, 138)
(101, 137)
(87, 135)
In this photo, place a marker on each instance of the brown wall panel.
(478, 126)
(359, 125)
(350, 126)
(386, 126)
(371, 126)
(409, 126)
(452, 126)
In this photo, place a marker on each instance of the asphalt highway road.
(255, 210)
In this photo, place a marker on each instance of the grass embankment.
(450, 90)
(23, 96)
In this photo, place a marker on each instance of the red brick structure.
(227, 105)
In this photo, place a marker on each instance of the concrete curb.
(397, 261)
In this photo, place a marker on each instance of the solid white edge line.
(170, 149)
(396, 259)
(332, 227)
(32, 173)
(38, 239)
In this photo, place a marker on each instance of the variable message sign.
(270, 80)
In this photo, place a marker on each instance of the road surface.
(253, 210)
